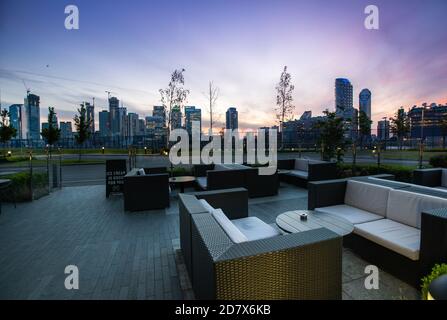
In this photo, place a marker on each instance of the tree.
(331, 138)
(443, 127)
(400, 126)
(82, 126)
(213, 95)
(6, 130)
(284, 100)
(52, 133)
(364, 127)
(174, 95)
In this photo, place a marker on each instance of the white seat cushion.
(437, 188)
(444, 178)
(301, 164)
(254, 228)
(230, 229)
(393, 235)
(202, 182)
(351, 214)
(366, 196)
(299, 173)
(406, 207)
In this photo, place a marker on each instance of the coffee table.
(290, 222)
(181, 181)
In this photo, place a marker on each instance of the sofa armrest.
(428, 177)
(326, 193)
(322, 171)
(146, 192)
(286, 164)
(304, 265)
(433, 247)
(155, 170)
(233, 202)
(199, 170)
(225, 179)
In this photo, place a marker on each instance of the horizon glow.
(131, 48)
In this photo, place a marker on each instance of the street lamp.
(145, 150)
(102, 150)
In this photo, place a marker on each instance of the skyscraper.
(160, 111)
(383, 130)
(15, 114)
(192, 114)
(31, 117)
(231, 119)
(133, 123)
(176, 118)
(66, 130)
(104, 123)
(344, 107)
(365, 102)
(343, 96)
(90, 116)
(114, 116)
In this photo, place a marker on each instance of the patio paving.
(126, 255)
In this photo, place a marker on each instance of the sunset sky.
(131, 47)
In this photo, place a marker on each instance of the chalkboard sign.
(115, 172)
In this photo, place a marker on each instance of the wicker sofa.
(301, 171)
(403, 232)
(146, 189)
(304, 265)
(435, 178)
(227, 176)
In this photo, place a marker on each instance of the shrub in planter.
(437, 271)
(21, 186)
(439, 161)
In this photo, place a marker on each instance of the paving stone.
(122, 255)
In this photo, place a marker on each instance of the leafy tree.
(331, 138)
(82, 126)
(443, 127)
(284, 99)
(400, 126)
(364, 127)
(174, 95)
(6, 130)
(52, 133)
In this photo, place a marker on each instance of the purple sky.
(131, 47)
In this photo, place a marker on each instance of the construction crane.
(26, 87)
(108, 94)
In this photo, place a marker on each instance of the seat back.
(366, 196)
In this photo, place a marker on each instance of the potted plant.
(437, 271)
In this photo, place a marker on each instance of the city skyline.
(400, 65)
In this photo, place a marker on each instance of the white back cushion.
(301, 164)
(406, 207)
(444, 178)
(220, 167)
(141, 172)
(366, 196)
(207, 206)
(230, 229)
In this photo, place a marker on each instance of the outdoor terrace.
(122, 255)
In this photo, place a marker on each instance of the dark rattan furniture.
(4, 184)
(433, 236)
(216, 177)
(428, 177)
(314, 170)
(305, 265)
(291, 222)
(146, 192)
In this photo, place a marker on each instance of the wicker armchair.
(305, 265)
(145, 192)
